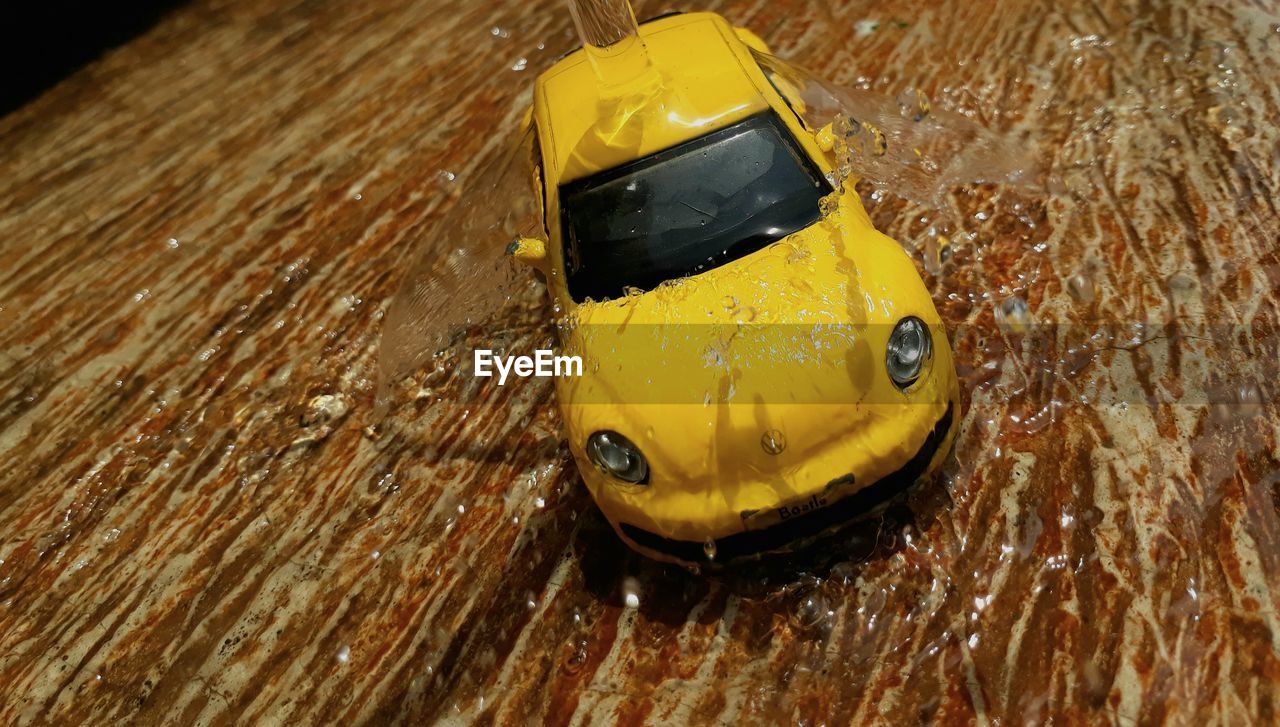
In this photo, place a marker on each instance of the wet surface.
(202, 231)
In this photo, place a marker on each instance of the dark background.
(42, 43)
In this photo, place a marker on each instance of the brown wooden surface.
(200, 232)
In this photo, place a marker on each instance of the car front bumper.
(803, 520)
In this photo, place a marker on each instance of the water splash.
(903, 145)
(462, 276)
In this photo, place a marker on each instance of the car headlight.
(909, 350)
(618, 457)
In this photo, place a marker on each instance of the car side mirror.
(529, 250)
(825, 138)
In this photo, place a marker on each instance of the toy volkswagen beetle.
(761, 363)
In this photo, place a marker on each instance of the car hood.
(710, 374)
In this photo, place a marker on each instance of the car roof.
(701, 84)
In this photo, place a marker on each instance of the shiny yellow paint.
(790, 338)
(698, 83)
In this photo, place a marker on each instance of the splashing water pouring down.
(611, 39)
(903, 145)
(462, 275)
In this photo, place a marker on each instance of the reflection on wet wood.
(200, 231)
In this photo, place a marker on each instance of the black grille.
(753, 542)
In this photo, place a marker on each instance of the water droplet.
(867, 139)
(1249, 397)
(810, 610)
(913, 104)
(326, 408)
(843, 126)
(773, 442)
(829, 205)
(576, 657)
(631, 592)
(879, 143)
(709, 548)
(1081, 287)
(1014, 313)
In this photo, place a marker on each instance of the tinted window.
(688, 209)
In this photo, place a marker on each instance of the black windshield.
(688, 209)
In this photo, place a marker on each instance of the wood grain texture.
(200, 233)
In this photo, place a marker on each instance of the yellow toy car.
(760, 363)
